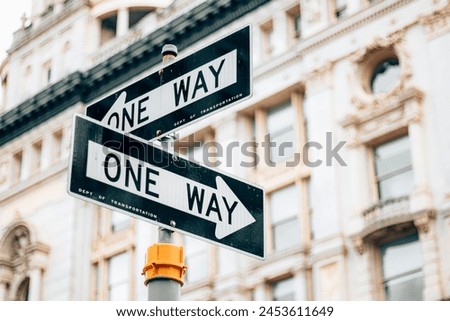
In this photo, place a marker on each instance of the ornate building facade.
(357, 201)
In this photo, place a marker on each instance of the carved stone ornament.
(424, 222)
(437, 22)
(319, 78)
(359, 245)
(365, 60)
(311, 10)
(20, 241)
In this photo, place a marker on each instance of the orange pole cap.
(164, 260)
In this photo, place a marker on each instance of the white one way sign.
(161, 101)
(217, 205)
(187, 90)
(132, 176)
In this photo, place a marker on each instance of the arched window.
(23, 290)
(18, 247)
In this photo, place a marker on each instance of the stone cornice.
(381, 107)
(185, 30)
(438, 22)
(321, 38)
(23, 36)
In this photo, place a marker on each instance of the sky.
(10, 14)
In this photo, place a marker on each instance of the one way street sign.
(187, 90)
(132, 176)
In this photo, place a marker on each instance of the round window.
(385, 76)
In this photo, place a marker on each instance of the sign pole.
(164, 269)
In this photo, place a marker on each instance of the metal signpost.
(206, 81)
(130, 175)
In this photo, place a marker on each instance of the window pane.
(409, 288)
(385, 76)
(283, 290)
(118, 274)
(280, 117)
(401, 256)
(284, 203)
(393, 168)
(284, 145)
(119, 292)
(286, 234)
(402, 269)
(396, 186)
(392, 156)
(280, 124)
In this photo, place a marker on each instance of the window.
(23, 290)
(26, 84)
(136, 15)
(47, 72)
(385, 76)
(108, 28)
(393, 169)
(268, 39)
(118, 277)
(280, 125)
(283, 290)
(48, 11)
(402, 269)
(37, 156)
(119, 221)
(196, 253)
(58, 146)
(67, 3)
(294, 24)
(18, 167)
(284, 208)
(340, 8)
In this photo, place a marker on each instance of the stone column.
(35, 284)
(281, 36)
(426, 225)
(420, 198)
(122, 22)
(3, 293)
(259, 293)
(38, 260)
(365, 282)
(5, 278)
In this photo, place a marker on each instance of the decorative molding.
(359, 245)
(319, 78)
(352, 23)
(436, 23)
(424, 221)
(205, 19)
(365, 60)
(382, 118)
(378, 43)
(311, 10)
